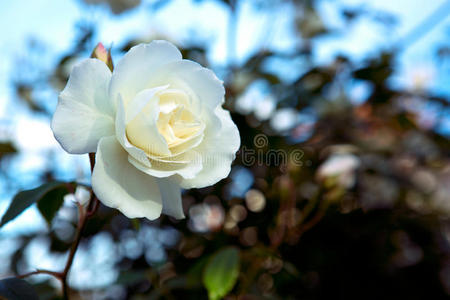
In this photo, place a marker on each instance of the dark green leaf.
(25, 199)
(130, 277)
(7, 148)
(221, 272)
(25, 92)
(17, 289)
(194, 274)
(51, 202)
(272, 79)
(47, 291)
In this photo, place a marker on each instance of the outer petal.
(120, 185)
(171, 196)
(187, 165)
(217, 151)
(189, 76)
(135, 69)
(84, 113)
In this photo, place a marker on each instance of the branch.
(58, 275)
(83, 215)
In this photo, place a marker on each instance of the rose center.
(166, 126)
(176, 124)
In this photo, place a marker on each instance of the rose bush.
(156, 125)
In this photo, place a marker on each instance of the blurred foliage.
(14, 288)
(7, 148)
(360, 212)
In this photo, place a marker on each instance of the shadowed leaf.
(17, 289)
(7, 148)
(25, 199)
(51, 202)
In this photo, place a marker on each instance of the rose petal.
(199, 82)
(217, 152)
(171, 197)
(84, 113)
(138, 154)
(175, 166)
(138, 66)
(141, 123)
(118, 184)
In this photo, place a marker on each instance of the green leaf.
(221, 272)
(51, 202)
(25, 199)
(17, 289)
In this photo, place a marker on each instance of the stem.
(92, 161)
(73, 250)
(41, 271)
(83, 216)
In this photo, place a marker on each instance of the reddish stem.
(83, 215)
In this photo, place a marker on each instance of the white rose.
(156, 124)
